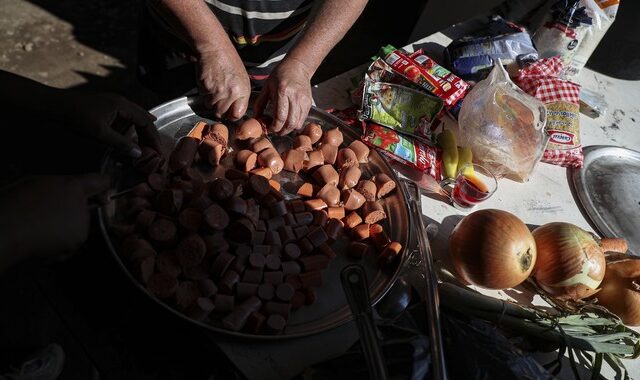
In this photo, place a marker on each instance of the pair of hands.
(47, 217)
(224, 81)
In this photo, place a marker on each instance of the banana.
(447, 141)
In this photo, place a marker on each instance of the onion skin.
(570, 264)
(620, 290)
(492, 249)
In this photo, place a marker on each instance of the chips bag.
(562, 99)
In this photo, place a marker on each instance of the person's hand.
(108, 117)
(288, 89)
(47, 216)
(224, 82)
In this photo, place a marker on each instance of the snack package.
(562, 99)
(401, 108)
(426, 73)
(603, 14)
(503, 126)
(404, 149)
(472, 58)
(565, 27)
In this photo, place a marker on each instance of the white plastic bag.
(503, 126)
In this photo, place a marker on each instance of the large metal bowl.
(175, 119)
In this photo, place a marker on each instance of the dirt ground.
(73, 44)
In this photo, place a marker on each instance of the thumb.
(121, 143)
(94, 183)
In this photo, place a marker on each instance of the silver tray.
(608, 190)
(174, 120)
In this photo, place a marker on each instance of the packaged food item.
(404, 149)
(503, 126)
(565, 27)
(379, 71)
(472, 57)
(401, 108)
(603, 14)
(425, 72)
(562, 99)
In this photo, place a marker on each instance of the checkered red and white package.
(562, 99)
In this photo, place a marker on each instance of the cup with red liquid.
(474, 184)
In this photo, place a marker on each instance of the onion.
(571, 262)
(493, 249)
(620, 290)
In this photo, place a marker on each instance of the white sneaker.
(45, 364)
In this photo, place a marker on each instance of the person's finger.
(149, 136)
(94, 183)
(305, 107)
(293, 118)
(120, 142)
(261, 102)
(280, 113)
(238, 108)
(222, 106)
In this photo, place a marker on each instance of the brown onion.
(570, 264)
(493, 249)
(620, 290)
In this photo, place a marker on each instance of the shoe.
(45, 364)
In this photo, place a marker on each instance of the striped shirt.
(262, 31)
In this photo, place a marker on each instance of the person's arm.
(96, 115)
(222, 77)
(289, 86)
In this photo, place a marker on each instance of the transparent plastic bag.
(503, 126)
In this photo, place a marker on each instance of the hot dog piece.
(259, 186)
(346, 158)
(157, 181)
(241, 230)
(215, 243)
(183, 154)
(296, 205)
(186, 294)
(122, 229)
(249, 129)
(333, 137)
(238, 317)
(199, 131)
(278, 208)
(245, 290)
(266, 292)
(303, 143)
(200, 309)
(314, 159)
(298, 300)
(325, 249)
(253, 276)
(272, 262)
(223, 303)
(317, 236)
(293, 160)
(144, 220)
(162, 285)
(306, 190)
(220, 133)
(257, 260)
(264, 172)
(284, 292)
(190, 251)
(306, 246)
(368, 189)
(198, 272)
(144, 268)
(360, 232)
(207, 287)
(352, 220)
(361, 150)
(273, 277)
(169, 201)
(314, 131)
(314, 262)
(320, 218)
(334, 228)
(162, 231)
(228, 281)
(275, 324)
(275, 185)
(246, 160)
(303, 218)
(270, 158)
(166, 262)
(335, 212)
(291, 267)
(326, 174)
(190, 219)
(294, 281)
(301, 231)
(311, 279)
(200, 203)
(329, 153)
(212, 151)
(329, 194)
(379, 236)
(373, 212)
(357, 250)
(352, 199)
(277, 308)
(255, 322)
(261, 144)
(215, 218)
(221, 263)
(384, 184)
(236, 175)
(286, 234)
(349, 177)
(221, 189)
(310, 296)
(237, 205)
(391, 253)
